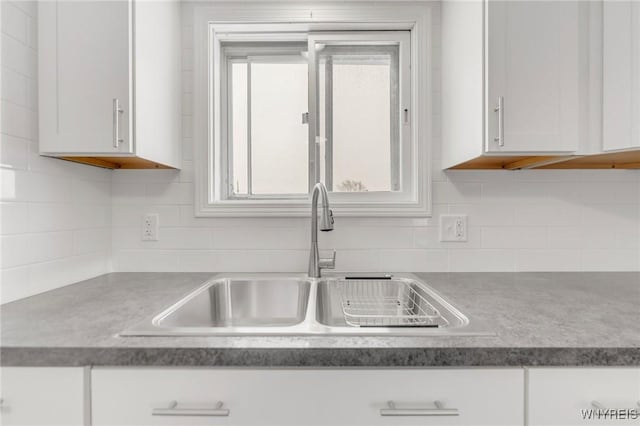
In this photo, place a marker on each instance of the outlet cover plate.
(150, 225)
(453, 227)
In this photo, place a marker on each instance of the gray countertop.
(559, 318)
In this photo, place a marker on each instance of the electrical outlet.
(453, 227)
(150, 223)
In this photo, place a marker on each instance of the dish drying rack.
(386, 303)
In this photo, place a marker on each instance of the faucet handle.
(328, 263)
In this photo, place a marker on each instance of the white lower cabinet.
(569, 396)
(148, 396)
(42, 396)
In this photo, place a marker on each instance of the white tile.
(607, 214)
(168, 238)
(565, 237)
(22, 249)
(416, 260)
(486, 214)
(14, 284)
(356, 237)
(131, 215)
(187, 37)
(187, 59)
(30, 7)
(460, 192)
(187, 126)
(514, 237)
(356, 260)
(170, 193)
(14, 152)
(430, 238)
(93, 240)
(484, 260)
(187, 81)
(145, 176)
(145, 261)
(44, 217)
(14, 87)
(18, 57)
(90, 192)
(85, 266)
(518, 192)
(14, 22)
(128, 193)
(32, 33)
(548, 260)
(262, 238)
(15, 250)
(610, 237)
(47, 188)
(610, 260)
(18, 120)
(565, 214)
(187, 104)
(91, 216)
(187, 173)
(187, 148)
(13, 218)
(49, 245)
(245, 261)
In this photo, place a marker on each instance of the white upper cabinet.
(109, 82)
(91, 46)
(533, 76)
(621, 75)
(514, 79)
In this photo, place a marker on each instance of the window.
(289, 105)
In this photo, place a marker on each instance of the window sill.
(302, 208)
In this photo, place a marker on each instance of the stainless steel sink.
(240, 303)
(400, 302)
(274, 304)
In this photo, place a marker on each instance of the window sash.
(371, 42)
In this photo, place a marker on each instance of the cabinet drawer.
(42, 396)
(308, 397)
(558, 396)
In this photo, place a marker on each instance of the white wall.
(519, 221)
(55, 226)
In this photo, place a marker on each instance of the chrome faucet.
(326, 224)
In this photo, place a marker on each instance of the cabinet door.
(621, 75)
(535, 70)
(85, 63)
(300, 397)
(42, 396)
(565, 396)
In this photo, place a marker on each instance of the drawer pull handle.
(173, 410)
(391, 410)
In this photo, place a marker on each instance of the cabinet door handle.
(439, 410)
(117, 112)
(500, 110)
(173, 410)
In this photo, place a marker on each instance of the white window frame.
(218, 23)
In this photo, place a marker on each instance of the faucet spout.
(326, 224)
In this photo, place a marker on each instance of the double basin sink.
(270, 304)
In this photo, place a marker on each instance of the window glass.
(359, 118)
(279, 147)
